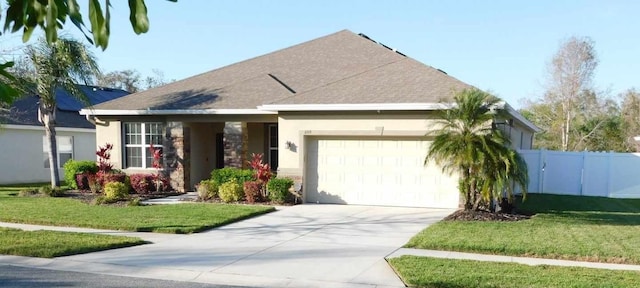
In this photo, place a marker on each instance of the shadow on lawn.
(583, 209)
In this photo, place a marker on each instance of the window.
(65, 150)
(273, 146)
(138, 137)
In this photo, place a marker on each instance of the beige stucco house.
(344, 115)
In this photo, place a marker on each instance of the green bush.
(73, 167)
(116, 191)
(207, 189)
(220, 176)
(230, 191)
(279, 190)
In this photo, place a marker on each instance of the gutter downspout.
(95, 121)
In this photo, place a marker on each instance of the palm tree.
(468, 143)
(60, 64)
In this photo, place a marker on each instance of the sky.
(499, 46)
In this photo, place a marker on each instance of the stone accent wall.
(233, 144)
(177, 155)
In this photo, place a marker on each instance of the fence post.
(542, 163)
(609, 158)
(582, 173)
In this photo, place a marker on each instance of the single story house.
(342, 114)
(24, 155)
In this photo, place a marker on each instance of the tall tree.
(63, 64)
(50, 16)
(130, 80)
(570, 74)
(468, 144)
(630, 114)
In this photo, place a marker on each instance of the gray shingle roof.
(341, 68)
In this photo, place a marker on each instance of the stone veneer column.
(233, 144)
(177, 154)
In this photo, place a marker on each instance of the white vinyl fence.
(615, 175)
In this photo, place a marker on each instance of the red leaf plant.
(262, 171)
(158, 178)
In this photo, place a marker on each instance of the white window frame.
(143, 144)
(45, 150)
(271, 148)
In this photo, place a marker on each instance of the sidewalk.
(501, 258)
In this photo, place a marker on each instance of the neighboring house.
(342, 114)
(24, 156)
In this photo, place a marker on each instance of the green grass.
(49, 244)
(565, 227)
(449, 273)
(179, 218)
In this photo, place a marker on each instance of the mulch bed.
(462, 215)
(89, 198)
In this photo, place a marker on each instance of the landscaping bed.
(433, 272)
(49, 244)
(563, 227)
(65, 211)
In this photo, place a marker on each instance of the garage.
(376, 171)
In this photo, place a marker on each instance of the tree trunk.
(48, 119)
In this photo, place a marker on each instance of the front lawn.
(565, 227)
(179, 218)
(434, 272)
(50, 244)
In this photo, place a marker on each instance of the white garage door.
(386, 172)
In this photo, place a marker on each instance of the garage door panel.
(376, 172)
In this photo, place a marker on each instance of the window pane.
(65, 144)
(273, 159)
(64, 157)
(134, 157)
(154, 133)
(46, 160)
(273, 136)
(133, 133)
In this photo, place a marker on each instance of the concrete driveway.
(300, 246)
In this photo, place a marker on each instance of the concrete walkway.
(300, 246)
(501, 258)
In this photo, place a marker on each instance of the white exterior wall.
(22, 160)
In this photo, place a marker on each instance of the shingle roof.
(341, 68)
(24, 111)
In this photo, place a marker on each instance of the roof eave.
(355, 107)
(114, 112)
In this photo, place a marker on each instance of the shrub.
(207, 189)
(230, 191)
(28, 193)
(134, 202)
(104, 178)
(279, 190)
(73, 167)
(223, 175)
(116, 191)
(94, 184)
(253, 191)
(141, 183)
(51, 192)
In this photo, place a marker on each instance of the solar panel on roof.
(95, 95)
